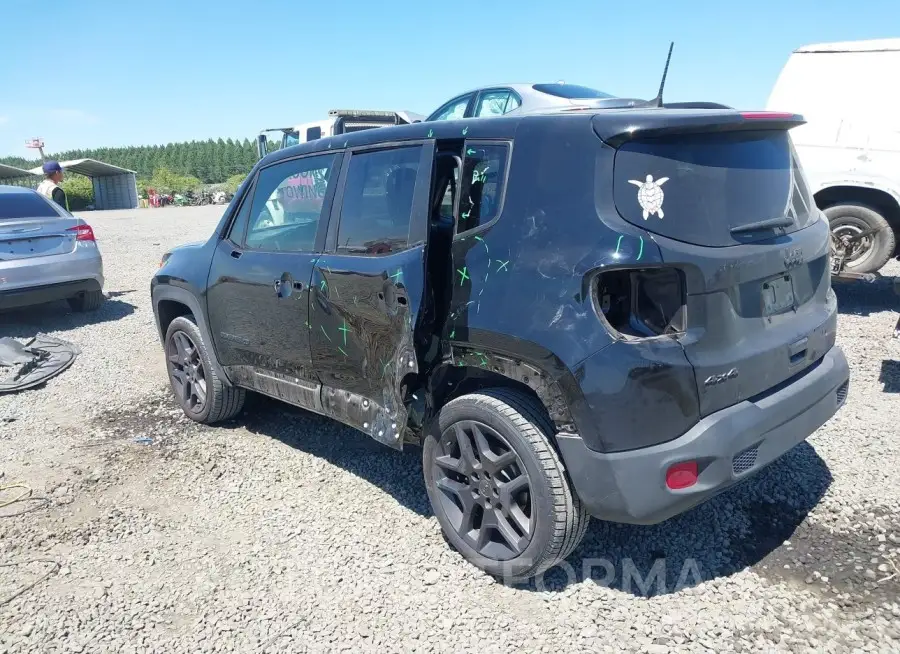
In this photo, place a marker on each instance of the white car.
(46, 253)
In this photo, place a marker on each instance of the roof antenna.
(657, 101)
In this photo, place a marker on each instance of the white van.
(849, 94)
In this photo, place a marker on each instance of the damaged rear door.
(367, 289)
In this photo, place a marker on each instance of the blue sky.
(115, 72)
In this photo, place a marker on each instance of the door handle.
(236, 254)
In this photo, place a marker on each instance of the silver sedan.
(46, 253)
(525, 98)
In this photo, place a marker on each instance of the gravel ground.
(284, 532)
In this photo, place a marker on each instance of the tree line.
(211, 161)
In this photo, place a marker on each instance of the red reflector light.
(681, 475)
(762, 115)
(82, 232)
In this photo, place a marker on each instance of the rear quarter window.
(15, 206)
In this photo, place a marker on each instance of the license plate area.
(777, 295)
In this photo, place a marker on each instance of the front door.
(258, 297)
(368, 290)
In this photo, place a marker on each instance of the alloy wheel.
(484, 490)
(187, 372)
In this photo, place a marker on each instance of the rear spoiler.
(616, 128)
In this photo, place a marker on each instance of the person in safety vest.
(49, 188)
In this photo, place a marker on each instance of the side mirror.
(262, 145)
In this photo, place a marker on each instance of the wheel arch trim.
(181, 296)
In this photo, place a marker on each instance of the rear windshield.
(699, 188)
(570, 91)
(25, 205)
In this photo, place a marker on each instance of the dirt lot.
(284, 532)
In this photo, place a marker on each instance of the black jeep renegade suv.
(617, 313)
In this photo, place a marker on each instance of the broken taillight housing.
(643, 302)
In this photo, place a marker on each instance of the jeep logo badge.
(793, 258)
(715, 380)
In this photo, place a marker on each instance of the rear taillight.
(643, 302)
(82, 232)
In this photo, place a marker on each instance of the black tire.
(87, 301)
(191, 375)
(873, 251)
(557, 521)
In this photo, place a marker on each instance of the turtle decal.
(650, 195)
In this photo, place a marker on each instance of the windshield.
(18, 205)
(571, 91)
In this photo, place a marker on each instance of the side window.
(484, 171)
(454, 110)
(377, 204)
(287, 204)
(239, 224)
(495, 103)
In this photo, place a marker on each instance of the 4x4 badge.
(650, 195)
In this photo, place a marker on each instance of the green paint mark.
(465, 216)
(461, 364)
(344, 330)
(308, 326)
(452, 334)
(641, 251)
(463, 275)
(430, 133)
(466, 130)
(323, 285)
(502, 265)
(478, 238)
(470, 152)
(342, 350)
(326, 333)
(385, 367)
(618, 243)
(397, 276)
(480, 175)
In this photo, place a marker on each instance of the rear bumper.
(23, 297)
(729, 446)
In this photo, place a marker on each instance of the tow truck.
(339, 121)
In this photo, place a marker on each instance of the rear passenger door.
(367, 289)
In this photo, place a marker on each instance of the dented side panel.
(362, 313)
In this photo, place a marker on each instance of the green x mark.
(344, 330)
(503, 265)
(463, 275)
(326, 333)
